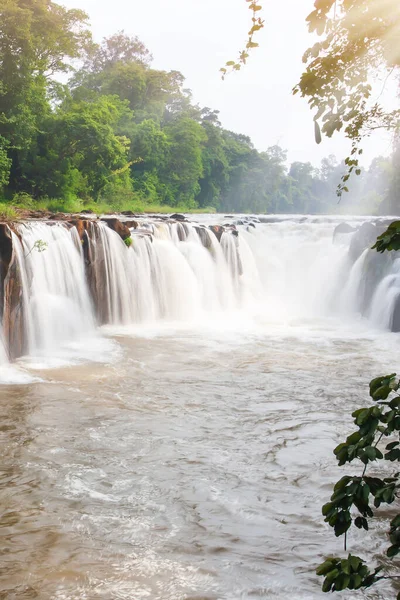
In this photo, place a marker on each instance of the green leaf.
(379, 382)
(354, 562)
(393, 551)
(342, 582)
(342, 483)
(325, 567)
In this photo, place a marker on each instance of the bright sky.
(197, 37)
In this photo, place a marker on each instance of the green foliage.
(389, 239)
(128, 242)
(355, 498)
(7, 213)
(257, 23)
(23, 200)
(358, 38)
(5, 163)
(40, 246)
(125, 136)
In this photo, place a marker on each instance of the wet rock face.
(81, 226)
(11, 295)
(342, 228)
(6, 250)
(364, 238)
(120, 228)
(95, 268)
(218, 230)
(204, 236)
(178, 217)
(396, 316)
(133, 224)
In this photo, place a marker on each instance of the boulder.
(59, 217)
(204, 236)
(342, 228)
(11, 296)
(142, 233)
(178, 217)
(81, 226)
(217, 230)
(396, 316)
(363, 238)
(116, 225)
(133, 224)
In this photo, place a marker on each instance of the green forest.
(86, 125)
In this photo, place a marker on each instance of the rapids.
(168, 432)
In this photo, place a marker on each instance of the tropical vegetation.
(86, 125)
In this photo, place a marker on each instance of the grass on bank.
(9, 208)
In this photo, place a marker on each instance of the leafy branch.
(364, 493)
(257, 24)
(357, 42)
(39, 246)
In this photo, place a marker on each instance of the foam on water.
(269, 277)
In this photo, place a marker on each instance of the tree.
(5, 164)
(183, 166)
(80, 154)
(117, 49)
(38, 38)
(215, 165)
(302, 178)
(359, 38)
(148, 153)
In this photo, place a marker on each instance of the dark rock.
(59, 217)
(396, 316)
(81, 226)
(363, 238)
(270, 219)
(181, 231)
(218, 230)
(87, 211)
(342, 228)
(142, 233)
(133, 224)
(178, 217)
(11, 296)
(204, 236)
(120, 228)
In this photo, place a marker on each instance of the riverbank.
(11, 209)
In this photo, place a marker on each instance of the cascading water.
(56, 300)
(193, 462)
(181, 272)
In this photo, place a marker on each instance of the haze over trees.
(122, 133)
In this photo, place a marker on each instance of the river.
(187, 458)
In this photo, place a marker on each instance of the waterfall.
(56, 299)
(65, 281)
(385, 298)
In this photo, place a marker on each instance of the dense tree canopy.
(123, 132)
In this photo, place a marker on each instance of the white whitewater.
(282, 272)
(57, 305)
